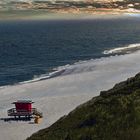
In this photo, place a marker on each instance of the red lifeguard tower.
(23, 108)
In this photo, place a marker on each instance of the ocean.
(40, 49)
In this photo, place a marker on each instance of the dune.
(57, 96)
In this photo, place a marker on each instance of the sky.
(3, 1)
(8, 1)
(6, 4)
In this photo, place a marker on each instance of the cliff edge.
(114, 115)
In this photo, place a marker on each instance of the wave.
(44, 76)
(78, 67)
(59, 71)
(85, 65)
(93, 65)
(127, 49)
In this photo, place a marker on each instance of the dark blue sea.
(30, 49)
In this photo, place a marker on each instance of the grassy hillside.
(114, 115)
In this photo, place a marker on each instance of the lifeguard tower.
(23, 108)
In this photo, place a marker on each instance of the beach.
(58, 96)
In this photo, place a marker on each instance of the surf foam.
(127, 49)
(81, 66)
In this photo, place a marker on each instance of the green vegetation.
(114, 115)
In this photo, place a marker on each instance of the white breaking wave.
(127, 49)
(92, 65)
(79, 67)
(76, 68)
(44, 76)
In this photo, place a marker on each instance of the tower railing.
(32, 112)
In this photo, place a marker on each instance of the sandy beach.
(58, 96)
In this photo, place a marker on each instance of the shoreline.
(68, 69)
